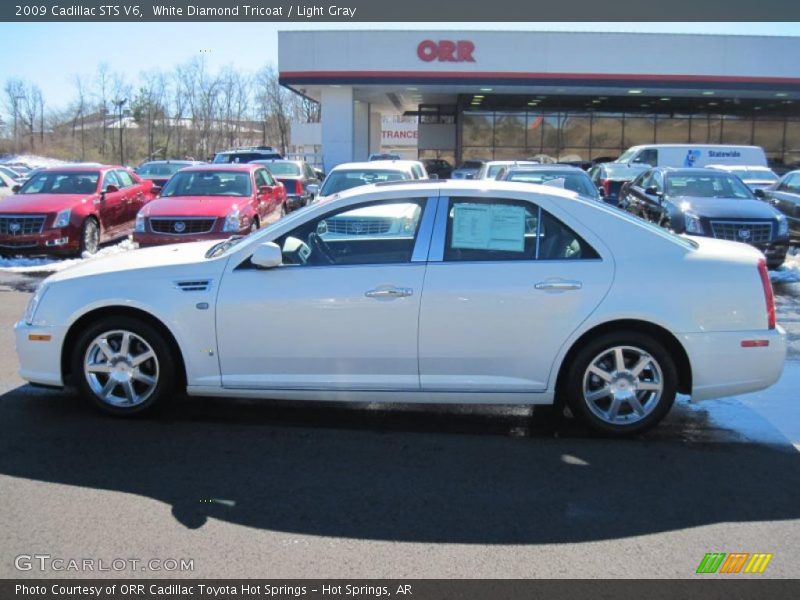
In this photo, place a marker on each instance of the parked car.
(784, 195)
(693, 155)
(467, 169)
(577, 325)
(612, 177)
(754, 177)
(384, 156)
(439, 167)
(71, 210)
(573, 179)
(210, 202)
(705, 202)
(12, 173)
(299, 180)
(159, 171)
(490, 169)
(350, 175)
(7, 184)
(246, 155)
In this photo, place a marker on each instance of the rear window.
(159, 169)
(574, 182)
(471, 164)
(338, 181)
(243, 157)
(283, 168)
(208, 183)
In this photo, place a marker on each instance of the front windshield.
(339, 181)
(574, 182)
(707, 185)
(624, 171)
(282, 168)
(208, 183)
(628, 155)
(149, 170)
(757, 175)
(62, 182)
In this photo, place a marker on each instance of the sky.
(52, 54)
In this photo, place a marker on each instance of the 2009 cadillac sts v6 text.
(495, 292)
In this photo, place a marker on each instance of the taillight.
(768, 295)
(298, 187)
(606, 183)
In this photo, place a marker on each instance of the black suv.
(246, 155)
(785, 196)
(709, 203)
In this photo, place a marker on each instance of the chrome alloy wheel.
(121, 368)
(622, 385)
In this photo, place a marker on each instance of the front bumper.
(64, 240)
(39, 352)
(722, 367)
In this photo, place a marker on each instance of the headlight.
(783, 226)
(692, 224)
(232, 222)
(138, 227)
(30, 311)
(62, 218)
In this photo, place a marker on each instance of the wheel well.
(670, 342)
(116, 311)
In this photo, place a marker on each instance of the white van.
(693, 155)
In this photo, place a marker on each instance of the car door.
(507, 284)
(652, 197)
(268, 192)
(342, 310)
(786, 195)
(133, 198)
(634, 201)
(111, 206)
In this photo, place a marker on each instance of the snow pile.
(788, 272)
(51, 265)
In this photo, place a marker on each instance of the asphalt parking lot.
(309, 490)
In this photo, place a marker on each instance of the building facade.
(565, 96)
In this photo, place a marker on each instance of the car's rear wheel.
(90, 236)
(622, 383)
(123, 366)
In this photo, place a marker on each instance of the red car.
(71, 210)
(210, 202)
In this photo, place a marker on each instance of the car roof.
(535, 167)
(732, 167)
(234, 167)
(82, 168)
(398, 165)
(173, 162)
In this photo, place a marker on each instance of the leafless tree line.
(188, 111)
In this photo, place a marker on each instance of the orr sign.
(446, 51)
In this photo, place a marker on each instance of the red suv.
(210, 202)
(71, 210)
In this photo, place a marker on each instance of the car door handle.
(558, 286)
(391, 292)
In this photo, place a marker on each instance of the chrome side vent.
(194, 285)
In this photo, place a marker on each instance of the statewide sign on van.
(693, 155)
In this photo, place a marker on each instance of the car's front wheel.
(622, 383)
(123, 365)
(90, 236)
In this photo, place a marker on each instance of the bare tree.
(15, 90)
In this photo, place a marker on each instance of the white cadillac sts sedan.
(487, 292)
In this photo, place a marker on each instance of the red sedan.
(210, 202)
(71, 210)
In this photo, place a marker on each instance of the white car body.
(490, 169)
(462, 332)
(7, 185)
(406, 169)
(693, 155)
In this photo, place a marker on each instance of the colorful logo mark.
(736, 562)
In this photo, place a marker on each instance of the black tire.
(254, 225)
(90, 236)
(164, 373)
(284, 210)
(578, 377)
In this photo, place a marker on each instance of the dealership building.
(567, 96)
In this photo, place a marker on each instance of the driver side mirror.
(110, 189)
(759, 193)
(652, 191)
(267, 256)
(264, 189)
(16, 188)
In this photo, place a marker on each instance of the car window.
(657, 181)
(377, 233)
(345, 179)
(707, 185)
(111, 179)
(208, 183)
(125, 178)
(262, 178)
(791, 183)
(481, 229)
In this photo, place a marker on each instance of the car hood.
(193, 206)
(159, 256)
(42, 203)
(729, 208)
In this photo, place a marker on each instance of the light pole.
(118, 104)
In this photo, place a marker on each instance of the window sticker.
(488, 227)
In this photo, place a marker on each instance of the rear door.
(133, 197)
(507, 284)
(112, 206)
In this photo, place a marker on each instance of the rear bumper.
(722, 367)
(40, 357)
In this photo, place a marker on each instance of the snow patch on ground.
(33, 160)
(51, 265)
(789, 271)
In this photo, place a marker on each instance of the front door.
(342, 310)
(508, 287)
